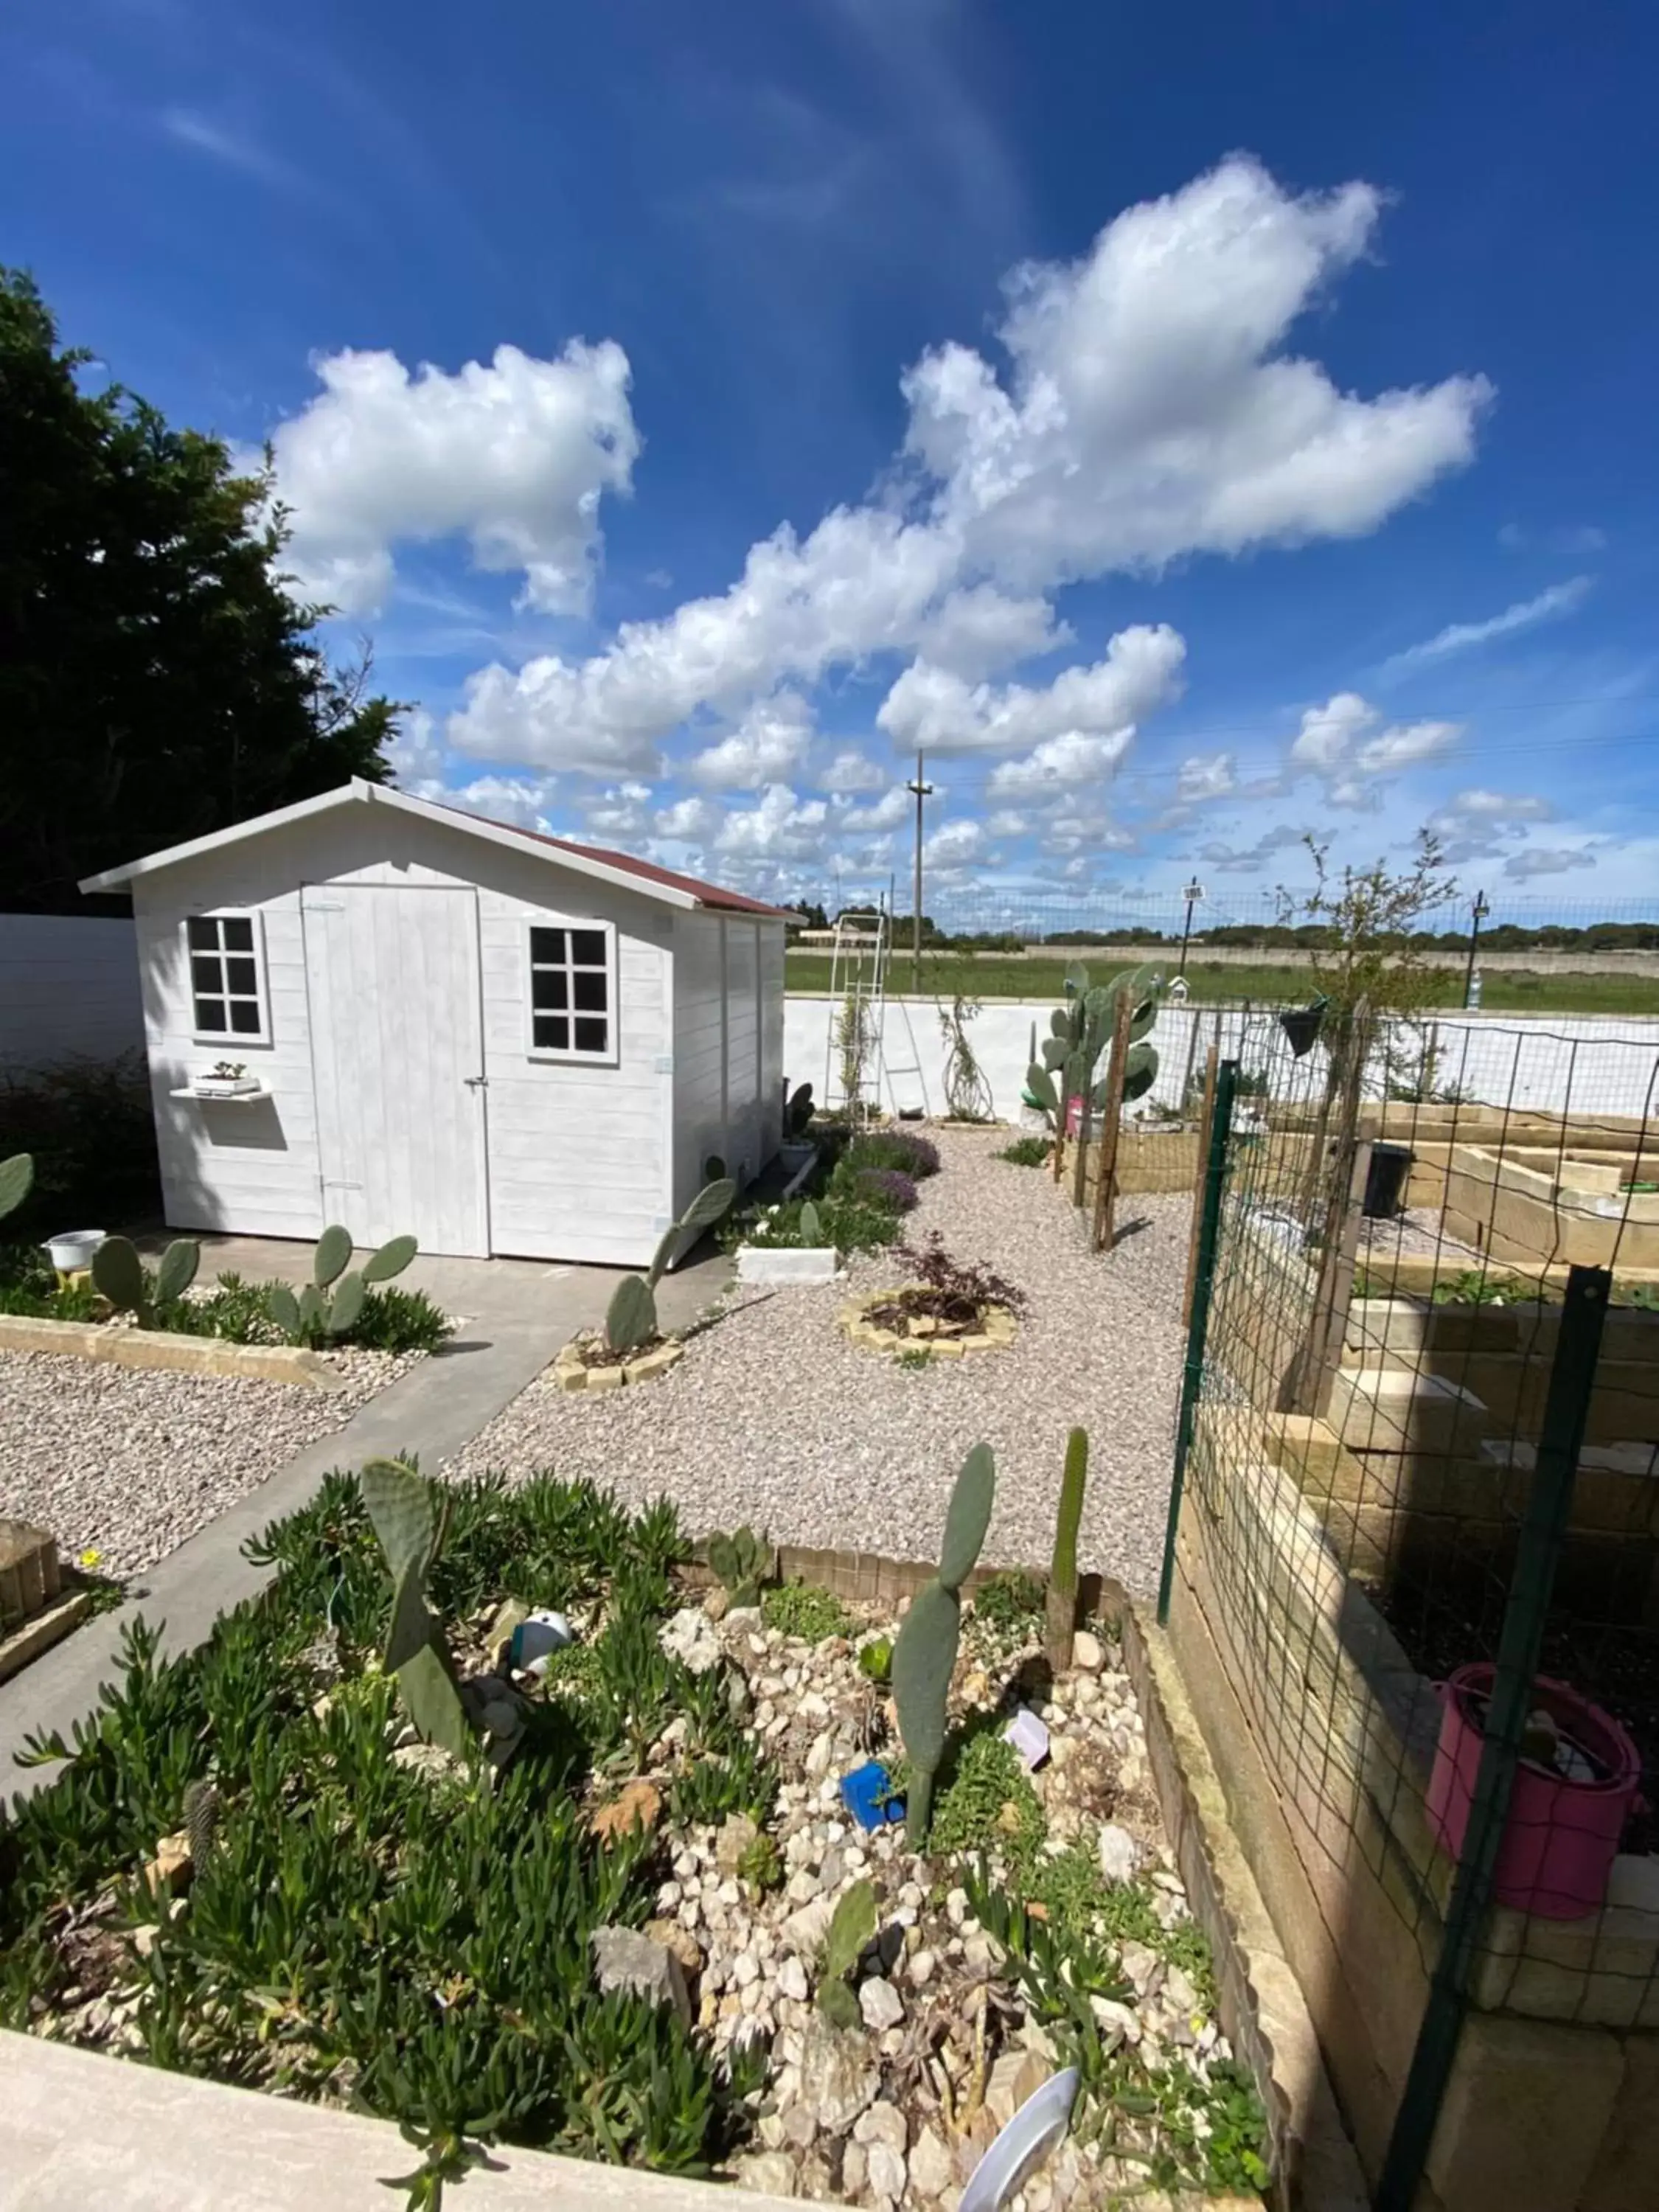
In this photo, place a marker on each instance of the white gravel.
(128, 1461)
(773, 1417)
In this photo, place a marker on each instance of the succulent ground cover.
(610, 1928)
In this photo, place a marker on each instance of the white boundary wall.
(69, 990)
(1605, 1064)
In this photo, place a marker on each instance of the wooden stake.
(1111, 1124)
(1314, 1377)
(1212, 1062)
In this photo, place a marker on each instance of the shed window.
(227, 979)
(573, 992)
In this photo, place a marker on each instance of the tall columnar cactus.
(926, 1652)
(313, 1312)
(17, 1175)
(118, 1274)
(409, 1516)
(1062, 1573)
(631, 1317)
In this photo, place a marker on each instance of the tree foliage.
(157, 680)
(1368, 946)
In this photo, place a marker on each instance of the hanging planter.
(1302, 1026)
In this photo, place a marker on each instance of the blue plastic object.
(866, 1792)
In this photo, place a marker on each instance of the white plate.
(1040, 2122)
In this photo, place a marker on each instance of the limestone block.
(1385, 1410)
(1525, 2112)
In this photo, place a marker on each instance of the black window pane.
(201, 935)
(205, 973)
(549, 990)
(587, 948)
(551, 1032)
(244, 1016)
(239, 933)
(547, 944)
(210, 1015)
(589, 992)
(590, 1035)
(242, 975)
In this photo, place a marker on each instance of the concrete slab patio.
(515, 1315)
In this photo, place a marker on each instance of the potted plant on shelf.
(797, 1152)
(227, 1079)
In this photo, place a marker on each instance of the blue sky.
(1197, 426)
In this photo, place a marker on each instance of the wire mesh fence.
(1421, 1520)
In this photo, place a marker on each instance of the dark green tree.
(157, 680)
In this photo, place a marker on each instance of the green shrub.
(427, 1939)
(802, 1609)
(393, 1319)
(1027, 1151)
(1011, 1601)
(970, 1810)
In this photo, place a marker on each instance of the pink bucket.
(1562, 1834)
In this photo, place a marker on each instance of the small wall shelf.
(220, 1098)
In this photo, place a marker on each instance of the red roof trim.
(709, 895)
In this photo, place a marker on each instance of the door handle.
(476, 1082)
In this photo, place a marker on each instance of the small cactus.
(926, 1652)
(812, 1227)
(201, 1821)
(741, 1561)
(313, 1312)
(409, 1516)
(1063, 1573)
(850, 1928)
(118, 1274)
(631, 1317)
(17, 1175)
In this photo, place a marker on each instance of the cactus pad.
(630, 1319)
(178, 1270)
(390, 1260)
(118, 1273)
(346, 1307)
(333, 1256)
(17, 1175)
(968, 1516)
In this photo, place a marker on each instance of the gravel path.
(130, 1460)
(774, 1419)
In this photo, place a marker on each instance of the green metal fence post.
(1572, 1377)
(1209, 1229)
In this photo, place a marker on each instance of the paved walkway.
(517, 1314)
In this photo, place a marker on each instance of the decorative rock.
(799, 2127)
(1016, 2075)
(837, 2073)
(1118, 2021)
(718, 1603)
(735, 1834)
(880, 2004)
(882, 2122)
(792, 1980)
(921, 1969)
(884, 2172)
(680, 1940)
(805, 1930)
(933, 2170)
(171, 1868)
(767, 2173)
(745, 1968)
(690, 1636)
(624, 1960)
(820, 1756)
(1087, 1652)
(853, 2169)
(637, 1805)
(1119, 1854)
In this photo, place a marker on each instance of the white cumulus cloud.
(1058, 762)
(1407, 745)
(929, 706)
(514, 456)
(1322, 743)
(768, 746)
(853, 771)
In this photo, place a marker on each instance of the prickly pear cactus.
(177, 1271)
(925, 1655)
(409, 1515)
(284, 1308)
(17, 1175)
(390, 1260)
(712, 1203)
(630, 1319)
(345, 1308)
(850, 1928)
(333, 1256)
(118, 1274)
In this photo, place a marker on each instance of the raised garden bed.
(253, 1871)
(587, 1362)
(882, 1320)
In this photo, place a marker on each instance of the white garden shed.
(495, 1041)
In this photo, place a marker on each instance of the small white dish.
(1040, 2123)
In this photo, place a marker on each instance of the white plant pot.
(73, 1250)
(787, 1263)
(797, 1154)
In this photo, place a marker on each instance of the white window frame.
(611, 1057)
(230, 1041)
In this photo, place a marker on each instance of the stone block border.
(160, 1347)
(997, 1333)
(571, 1372)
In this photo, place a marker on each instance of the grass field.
(991, 975)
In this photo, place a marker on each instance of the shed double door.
(397, 1041)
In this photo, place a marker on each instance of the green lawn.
(995, 976)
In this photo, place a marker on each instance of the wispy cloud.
(1464, 637)
(233, 150)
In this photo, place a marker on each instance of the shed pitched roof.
(644, 876)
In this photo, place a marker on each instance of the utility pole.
(1478, 914)
(922, 791)
(1193, 893)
